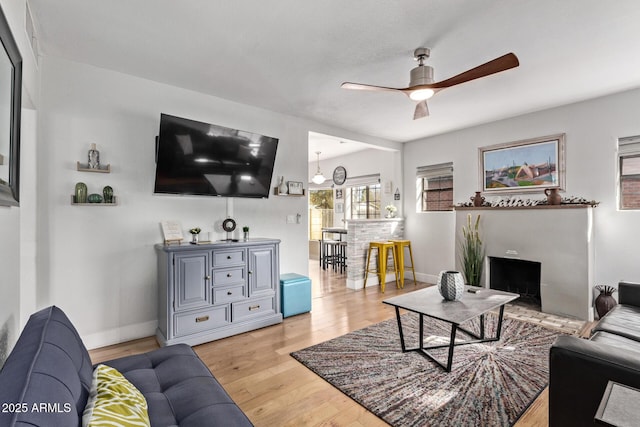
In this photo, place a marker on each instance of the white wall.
(98, 263)
(384, 161)
(15, 222)
(592, 128)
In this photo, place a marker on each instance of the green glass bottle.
(81, 193)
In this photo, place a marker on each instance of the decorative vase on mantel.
(553, 197)
(478, 199)
(605, 301)
(451, 285)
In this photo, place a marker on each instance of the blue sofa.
(46, 379)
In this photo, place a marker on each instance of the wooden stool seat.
(383, 249)
(399, 246)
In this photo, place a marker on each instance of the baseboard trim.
(120, 335)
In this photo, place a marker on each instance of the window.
(362, 196)
(435, 185)
(320, 212)
(629, 167)
(365, 201)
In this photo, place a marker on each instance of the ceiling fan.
(422, 87)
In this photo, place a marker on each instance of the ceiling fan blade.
(421, 110)
(359, 86)
(497, 65)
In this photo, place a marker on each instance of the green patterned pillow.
(113, 400)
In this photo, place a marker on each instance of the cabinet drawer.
(227, 258)
(255, 307)
(229, 276)
(201, 320)
(229, 294)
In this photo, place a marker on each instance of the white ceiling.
(291, 56)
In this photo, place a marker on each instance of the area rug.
(490, 384)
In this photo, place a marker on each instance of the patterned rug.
(490, 384)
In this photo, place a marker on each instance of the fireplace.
(516, 275)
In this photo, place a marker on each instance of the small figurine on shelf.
(195, 232)
(107, 192)
(94, 157)
(283, 188)
(245, 230)
(81, 193)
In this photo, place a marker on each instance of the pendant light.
(318, 178)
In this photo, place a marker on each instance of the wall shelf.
(276, 192)
(73, 202)
(84, 167)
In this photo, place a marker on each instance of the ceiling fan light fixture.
(318, 178)
(421, 94)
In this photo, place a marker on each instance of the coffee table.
(428, 302)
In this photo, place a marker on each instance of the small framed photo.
(339, 208)
(338, 193)
(295, 187)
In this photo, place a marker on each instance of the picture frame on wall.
(530, 165)
(295, 187)
(338, 193)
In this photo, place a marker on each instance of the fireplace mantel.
(560, 238)
(565, 206)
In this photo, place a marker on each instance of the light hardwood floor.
(271, 387)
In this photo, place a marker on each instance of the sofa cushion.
(623, 320)
(113, 400)
(48, 374)
(180, 389)
(616, 341)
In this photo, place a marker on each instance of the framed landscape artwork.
(523, 166)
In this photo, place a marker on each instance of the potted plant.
(245, 230)
(195, 231)
(391, 211)
(472, 256)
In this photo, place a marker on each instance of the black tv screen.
(205, 159)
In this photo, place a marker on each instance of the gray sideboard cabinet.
(211, 291)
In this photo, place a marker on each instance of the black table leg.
(404, 348)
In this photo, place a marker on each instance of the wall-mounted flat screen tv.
(204, 159)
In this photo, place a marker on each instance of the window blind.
(435, 171)
(629, 145)
(356, 181)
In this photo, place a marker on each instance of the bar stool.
(329, 254)
(399, 246)
(342, 256)
(383, 249)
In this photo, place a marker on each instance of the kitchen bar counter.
(359, 233)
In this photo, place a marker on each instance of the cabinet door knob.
(228, 256)
(229, 293)
(250, 272)
(207, 277)
(228, 274)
